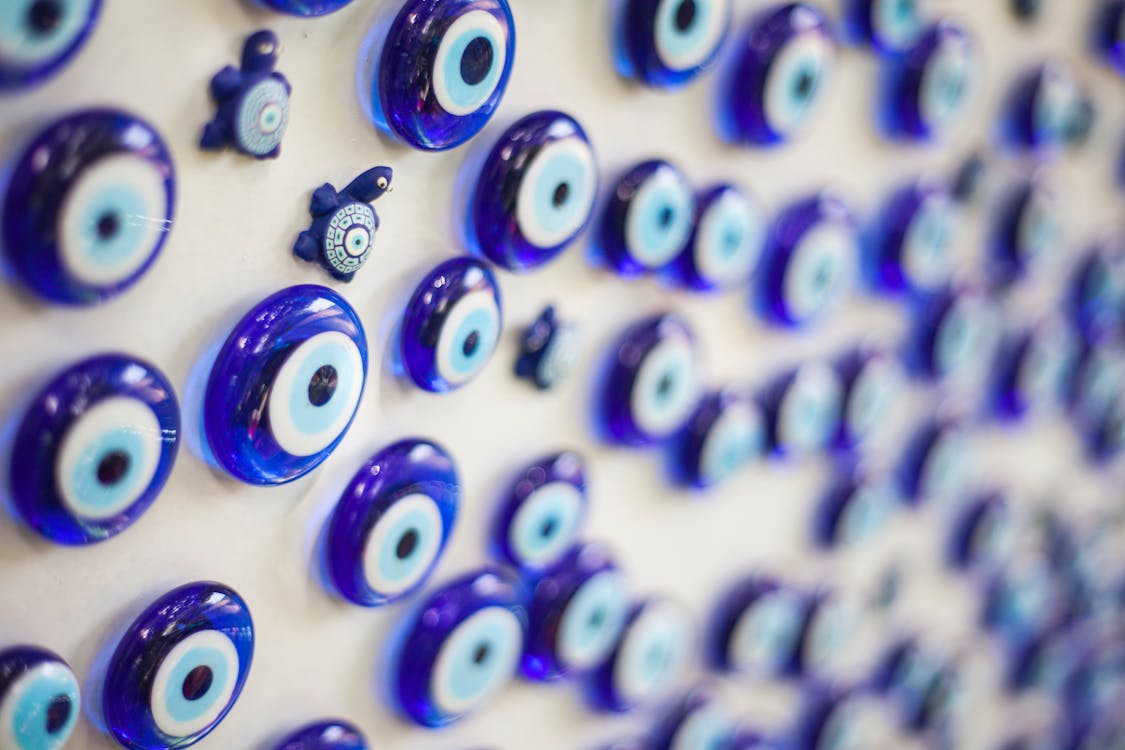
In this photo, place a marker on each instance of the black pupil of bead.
(548, 528)
(480, 656)
(562, 192)
(476, 61)
(665, 386)
(823, 275)
(597, 617)
(665, 217)
(685, 15)
(112, 467)
(471, 343)
(406, 544)
(197, 683)
(44, 16)
(58, 712)
(322, 385)
(108, 224)
(804, 84)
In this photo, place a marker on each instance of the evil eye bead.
(392, 522)
(1042, 107)
(726, 242)
(441, 72)
(873, 378)
(652, 384)
(890, 26)
(1028, 234)
(304, 8)
(1035, 367)
(848, 720)
(285, 385)
(857, 509)
(699, 721)
(1097, 402)
(758, 626)
(1098, 293)
(535, 193)
(325, 735)
(830, 623)
(937, 462)
(179, 668)
(38, 38)
(803, 410)
(985, 534)
(648, 661)
(451, 325)
(543, 513)
(1021, 599)
(88, 206)
(1109, 34)
(957, 334)
(577, 612)
(668, 43)
(94, 449)
(648, 219)
(915, 251)
(39, 699)
(811, 262)
(726, 431)
(782, 67)
(910, 677)
(930, 85)
(462, 647)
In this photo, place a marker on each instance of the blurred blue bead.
(549, 350)
(914, 249)
(325, 735)
(39, 699)
(756, 627)
(668, 43)
(803, 409)
(38, 39)
(725, 244)
(698, 720)
(929, 86)
(725, 432)
(647, 221)
(306, 8)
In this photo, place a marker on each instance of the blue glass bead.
(936, 464)
(666, 44)
(725, 432)
(1046, 662)
(647, 220)
(1096, 684)
(1109, 34)
(451, 325)
(922, 689)
(889, 26)
(652, 382)
(699, 721)
(285, 385)
(811, 261)
(857, 508)
(543, 513)
(88, 206)
(929, 87)
(38, 39)
(548, 350)
(1034, 368)
(1040, 107)
(753, 739)
(334, 734)
(1027, 238)
(392, 522)
(956, 333)
(830, 621)
(535, 193)
(782, 65)
(970, 179)
(305, 8)
(725, 243)
(94, 449)
(39, 699)
(1097, 293)
(1098, 395)
(757, 626)
(873, 378)
(803, 410)
(179, 668)
(839, 719)
(577, 613)
(462, 647)
(631, 743)
(1021, 599)
(915, 247)
(436, 76)
(343, 228)
(649, 660)
(984, 533)
(251, 102)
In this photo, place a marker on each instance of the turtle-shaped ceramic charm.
(252, 101)
(343, 227)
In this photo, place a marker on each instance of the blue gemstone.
(666, 44)
(334, 734)
(39, 698)
(38, 39)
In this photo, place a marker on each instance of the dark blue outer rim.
(904, 105)
(638, 39)
(888, 270)
(1007, 265)
(732, 604)
(615, 250)
(682, 709)
(1019, 124)
(13, 79)
(16, 661)
(684, 270)
(686, 451)
(345, 736)
(304, 8)
(965, 525)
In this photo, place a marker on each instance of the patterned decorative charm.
(342, 234)
(548, 350)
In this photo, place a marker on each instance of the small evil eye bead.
(652, 385)
(890, 26)
(857, 508)
(827, 633)
(1028, 233)
(841, 720)
(803, 410)
(543, 513)
(957, 333)
(970, 179)
(1021, 599)
(441, 71)
(781, 70)
(873, 379)
(577, 613)
(1098, 403)
(1041, 108)
(285, 385)
(535, 192)
(1034, 368)
(757, 628)
(726, 242)
(984, 534)
(929, 87)
(915, 250)
(39, 699)
(325, 735)
(179, 668)
(648, 219)
(1109, 34)
(94, 449)
(1097, 295)
(451, 325)
(392, 522)
(39, 37)
(936, 464)
(461, 648)
(811, 261)
(906, 676)
(668, 43)
(304, 8)
(726, 431)
(698, 721)
(549, 350)
(649, 660)
(88, 206)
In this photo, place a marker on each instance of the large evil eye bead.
(890, 26)
(1097, 295)
(39, 37)
(652, 384)
(699, 721)
(1028, 234)
(811, 261)
(984, 534)
(726, 242)
(305, 8)
(1109, 34)
(936, 464)
(757, 628)
(803, 410)
(577, 613)
(873, 378)
(1034, 368)
(535, 193)
(857, 509)
(667, 43)
(930, 86)
(441, 72)
(285, 385)
(179, 668)
(1042, 107)
(88, 206)
(648, 219)
(957, 333)
(39, 699)
(915, 251)
(649, 660)
(543, 513)
(392, 522)
(94, 449)
(325, 735)
(462, 647)
(782, 68)
(726, 431)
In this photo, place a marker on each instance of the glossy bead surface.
(725, 432)
(1027, 238)
(94, 449)
(803, 409)
(889, 26)
(306, 8)
(451, 325)
(325, 735)
(757, 625)
(726, 241)
(647, 220)
(668, 43)
(436, 76)
(873, 378)
(698, 721)
(857, 508)
(461, 648)
(549, 350)
(1109, 34)
(37, 40)
(39, 699)
(88, 206)
(915, 246)
(392, 522)
(1041, 105)
(179, 668)
(1097, 293)
(1034, 367)
(930, 86)
(936, 463)
(285, 385)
